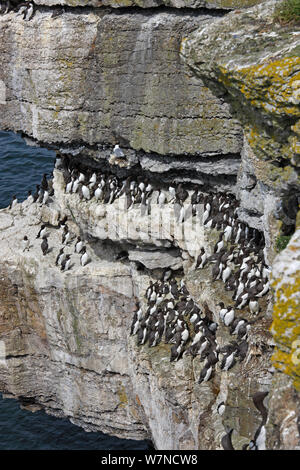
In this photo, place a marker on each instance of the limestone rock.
(111, 77)
(286, 314)
(96, 77)
(256, 61)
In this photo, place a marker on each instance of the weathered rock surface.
(125, 83)
(63, 333)
(256, 61)
(66, 335)
(286, 313)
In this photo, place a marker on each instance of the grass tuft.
(288, 12)
(282, 242)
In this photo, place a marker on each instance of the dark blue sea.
(21, 168)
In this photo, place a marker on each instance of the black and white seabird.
(242, 300)
(65, 235)
(265, 289)
(205, 374)
(45, 197)
(176, 351)
(226, 441)
(99, 193)
(181, 193)
(30, 198)
(86, 192)
(217, 271)
(65, 264)
(172, 191)
(78, 245)
(44, 182)
(13, 202)
(228, 316)
(25, 243)
(253, 304)
(135, 325)
(84, 259)
(42, 231)
(219, 245)
(174, 289)
(226, 272)
(223, 310)
(69, 187)
(258, 400)
(161, 198)
(22, 9)
(44, 245)
(221, 408)
(62, 222)
(259, 441)
(236, 326)
(228, 361)
(227, 232)
(185, 334)
(212, 358)
(201, 259)
(30, 12)
(60, 257)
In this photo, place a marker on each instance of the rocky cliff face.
(161, 83)
(255, 61)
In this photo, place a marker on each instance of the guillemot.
(228, 361)
(205, 374)
(201, 259)
(42, 231)
(13, 202)
(221, 408)
(44, 245)
(84, 259)
(65, 264)
(25, 243)
(60, 257)
(78, 245)
(65, 235)
(226, 441)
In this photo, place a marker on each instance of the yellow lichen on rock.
(272, 86)
(286, 312)
(274, 89)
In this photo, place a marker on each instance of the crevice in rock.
(160, 8)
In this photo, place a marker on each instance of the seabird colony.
(172, 316)
(237, 261)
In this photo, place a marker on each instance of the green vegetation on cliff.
(288, 12)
